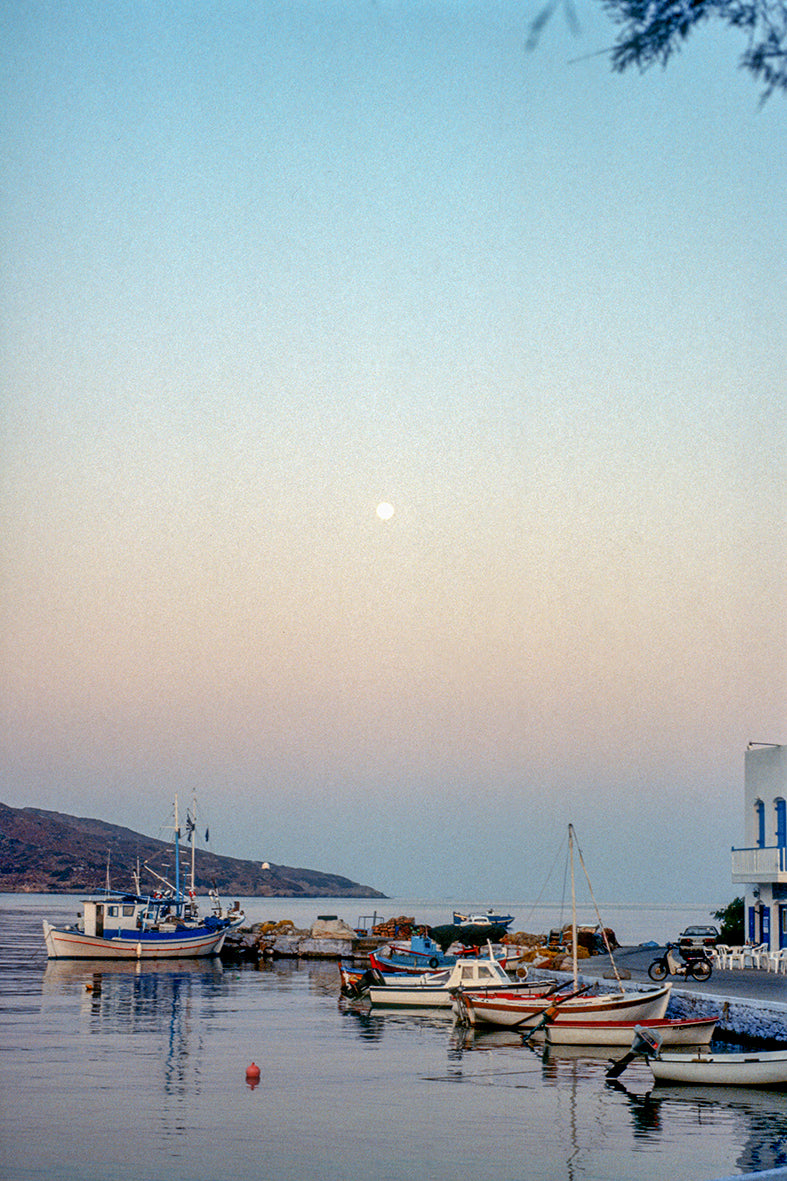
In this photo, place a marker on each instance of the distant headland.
(51, 853)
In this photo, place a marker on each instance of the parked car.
(695, 939)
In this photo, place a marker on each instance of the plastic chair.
(737, 957)
(759, 956)
(777, 961)
(749, 954)
(721, 956)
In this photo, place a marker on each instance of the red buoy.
(253, 1074)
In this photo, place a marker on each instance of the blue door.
(781, 823)
(782, 927)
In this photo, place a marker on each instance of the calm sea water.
(110, 1073)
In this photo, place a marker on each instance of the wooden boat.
(695, 1031)
(513, 1010)
(117, 926)
(762, 1068)
(125, 925)
(522, 1012)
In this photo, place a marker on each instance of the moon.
(385, 511)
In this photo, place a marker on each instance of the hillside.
(48, 852)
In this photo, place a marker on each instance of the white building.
(762, 864)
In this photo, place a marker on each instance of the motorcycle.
(696, 964)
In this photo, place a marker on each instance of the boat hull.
(689, 1032)
(419, 995)
(763, 1069)
(489, 919)
(63, 943)
(520, 1012)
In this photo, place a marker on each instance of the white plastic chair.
(737, 955)
(777, 961)
(759, 956)
(721, 956)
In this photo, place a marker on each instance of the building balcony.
(761, 864)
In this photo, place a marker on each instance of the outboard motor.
(646, 1043)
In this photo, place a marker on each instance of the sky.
(270, 265)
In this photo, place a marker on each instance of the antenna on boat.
(191, 827)
(109, 854)
(177, 852)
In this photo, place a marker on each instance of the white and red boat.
(691, 1031)
(517, 1011)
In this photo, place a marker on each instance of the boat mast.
(573, 907)
(177, 854)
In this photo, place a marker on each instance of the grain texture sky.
(270, 265)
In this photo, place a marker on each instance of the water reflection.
(659, 1116)
(759, 1118)
(371, 1024)
(165, 1003)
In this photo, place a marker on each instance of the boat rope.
(547, 880)
(595, 907)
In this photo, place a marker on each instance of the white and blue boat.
(488, 919)
(419, 955)
(125, 925)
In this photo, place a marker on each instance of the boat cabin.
(102, 916)
(108, 916)
(471, 973)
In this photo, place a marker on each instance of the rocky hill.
(48, 852)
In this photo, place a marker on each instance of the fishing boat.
(118, 926)
(693, 1031)
(762, 1068)
(436, 989)
(133, 925)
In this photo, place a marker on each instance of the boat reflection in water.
(755, 1118)
(167, 1004)
(661, 1116)
(759, 1118)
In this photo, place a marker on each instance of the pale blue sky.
(266, 265)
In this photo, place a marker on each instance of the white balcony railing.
(768, 864)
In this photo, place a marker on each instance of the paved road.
(741, 982)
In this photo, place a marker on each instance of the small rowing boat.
(762, 1068)
(754, 1068)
